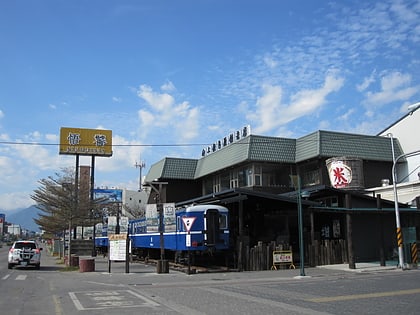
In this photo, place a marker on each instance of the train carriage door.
(211, 221)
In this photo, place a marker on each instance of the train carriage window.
(214, 223)
(223, 221)
(179, 224)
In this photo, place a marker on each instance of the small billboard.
(78, 141)
(107, 196)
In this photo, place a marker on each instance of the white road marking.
(95, 300)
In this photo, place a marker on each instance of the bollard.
(162, 266)
(414, 253)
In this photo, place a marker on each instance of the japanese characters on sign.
(85, 141)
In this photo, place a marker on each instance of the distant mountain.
(25, 218)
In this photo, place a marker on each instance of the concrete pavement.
(147, 270)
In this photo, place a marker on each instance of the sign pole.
(189, 256)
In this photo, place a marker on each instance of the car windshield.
(21, 245)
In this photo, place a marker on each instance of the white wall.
(407, 130)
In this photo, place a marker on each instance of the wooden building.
(255, 178)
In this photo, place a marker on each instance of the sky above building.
(171, 77)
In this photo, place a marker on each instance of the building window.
(311, 178)
(216, 184)
(234, 181)
(257, 175)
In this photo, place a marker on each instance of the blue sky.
(164, 73)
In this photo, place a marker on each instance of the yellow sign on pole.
(78, 141)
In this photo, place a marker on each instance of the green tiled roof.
(271, 149)
(252, 148)
(172, 168)
(329, 144)
(278, 150)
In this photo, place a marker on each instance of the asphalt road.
(142, 291)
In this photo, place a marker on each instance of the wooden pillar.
(350, 248)
(312, 250)
(241, 234)
(381, 231)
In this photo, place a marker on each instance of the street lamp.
(300, 194)
(397, 212)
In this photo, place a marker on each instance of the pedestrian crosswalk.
(14, 277)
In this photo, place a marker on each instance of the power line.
(113, 145)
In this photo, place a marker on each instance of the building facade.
(256, 178)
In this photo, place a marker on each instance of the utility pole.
(140, 165)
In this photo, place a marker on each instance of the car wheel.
(9, 266)
(37, 267)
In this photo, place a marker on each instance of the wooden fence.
(326, 252)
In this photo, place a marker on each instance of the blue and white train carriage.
(198, 230)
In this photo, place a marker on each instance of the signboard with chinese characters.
(85, 141)
(340, 174)
(227, 140)
(117, 247)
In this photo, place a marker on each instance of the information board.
(117, 247)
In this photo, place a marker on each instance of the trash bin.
(74, 260)
(87, 265)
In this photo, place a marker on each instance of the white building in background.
(14, 229)
(134, 201)
(407, 131)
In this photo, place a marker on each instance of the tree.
(61, 208)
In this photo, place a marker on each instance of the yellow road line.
(57, 304)
(56, 300)
(363, 296)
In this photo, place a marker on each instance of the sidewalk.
(120, 268)
(362, 267)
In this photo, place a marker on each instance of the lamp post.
(397, 212)
(300, 223)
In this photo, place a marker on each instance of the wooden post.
(350, 249)
(381, 231)
(241, 234)
(312, 245)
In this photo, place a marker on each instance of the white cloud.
(394, 87)
(13, 201)
(271, 113)
(164, 111)
(270, 61)
(168, 87)
(4, 137)
(347, 115)
(54, 138)
(159, 102)
(366, 82)
(1, 114)
(116, 99)
(268, 109)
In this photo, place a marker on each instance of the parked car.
(24, 253)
